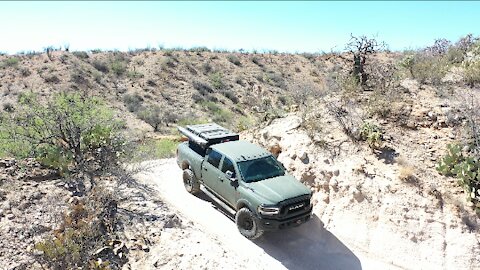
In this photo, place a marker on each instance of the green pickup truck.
(243, 178)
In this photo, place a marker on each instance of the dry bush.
(234, 60)
(407, 174)
(361, 48)
(349, 116)
(87, 233)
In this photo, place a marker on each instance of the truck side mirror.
(230, 176)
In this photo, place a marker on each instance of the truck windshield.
(260, 169)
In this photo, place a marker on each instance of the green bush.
(11, 62)
(81, 54)
(472, 73)
(151, 115)
(230, 95)
(134, 74)
(118, 67)
(234, 60)
(274, 79)
(408, 62)
(429, 68)
(167, 63)
(100, 66)
(217, 80)
(465, 168)
(87, 234)
(69, 133)
(218, 114)
(203, 88)
(133, 102)
(372, 134)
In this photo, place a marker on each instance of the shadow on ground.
(307, 247)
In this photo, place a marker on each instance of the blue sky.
(282, 26)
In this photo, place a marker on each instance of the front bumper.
(274, 224)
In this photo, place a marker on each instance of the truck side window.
(228, 166)
(214, 158)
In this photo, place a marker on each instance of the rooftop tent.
(204, 135)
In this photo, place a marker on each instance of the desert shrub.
(439, 47)
(407, 174)
(284, 100)
(203, 88)
(429, 68)
(97, 76)
(118, 67)
(217, 80)
(100, 66)
(132, 74)
(81, 54)
(133, 102)
(310, 56)
(347, 114)
(472, 73)
(207, 68)
(244, 123)
(11, 62)
(151, 115)
(25, 72)
(455, 55)
(70, 133)
(197, 98)
(465, 168)
(218, 114)
(78, 77)
(51, 79)
(372, 134)
(274, 79)
(256, 60)
(408, 62)
(86, 238)
(230, 95)
(234, 60)
(199, 49)
(167, 63)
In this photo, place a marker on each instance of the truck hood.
(279, 188)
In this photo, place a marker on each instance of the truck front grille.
(294, 206)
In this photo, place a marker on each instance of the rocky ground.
(34, 199)
(416, 219)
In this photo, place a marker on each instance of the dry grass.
(407, 174)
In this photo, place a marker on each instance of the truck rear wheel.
(247, 224)
(190, 181)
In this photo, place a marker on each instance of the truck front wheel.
(190, 181)
(247, 224)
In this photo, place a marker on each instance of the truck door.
(228, 188)
(211, 171)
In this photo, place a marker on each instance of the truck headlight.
(268, 210)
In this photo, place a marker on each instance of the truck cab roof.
(240, 150)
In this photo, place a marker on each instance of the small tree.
(408, 62)
(151, 115)
(70, 133)
(361, 47)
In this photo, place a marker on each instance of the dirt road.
(309, 246)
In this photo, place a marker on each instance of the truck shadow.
(309, 246)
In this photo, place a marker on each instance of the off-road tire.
(247, 224)
(190, 182)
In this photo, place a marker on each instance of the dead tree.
(361, 47)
